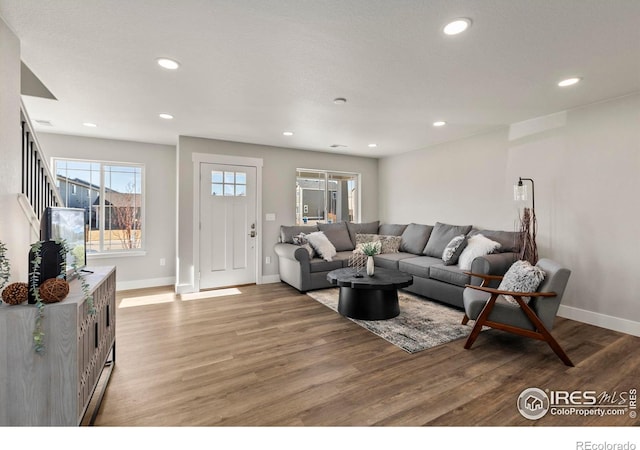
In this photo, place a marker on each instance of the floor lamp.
(528, 221)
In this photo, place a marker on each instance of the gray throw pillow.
(287, 233)
(303, 242)
(521, 277)
(361, 228)
(414, 238)
(338, 234)
(392, 229)
(509, 240)
(441, 236)
(453, 249)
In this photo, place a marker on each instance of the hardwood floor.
(270, 356)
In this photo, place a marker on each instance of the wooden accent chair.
(532, 319)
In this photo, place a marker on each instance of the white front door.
(228, 224)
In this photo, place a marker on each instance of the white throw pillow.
(477, 245)
(322, 245)
(521, 277)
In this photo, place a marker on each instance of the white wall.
(160, 203)
(278, 196)
(587, 186)
(15, 231)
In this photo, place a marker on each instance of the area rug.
(422, 323)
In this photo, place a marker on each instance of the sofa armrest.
(292, 251)
(493, 264)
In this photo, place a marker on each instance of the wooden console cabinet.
(54, 388)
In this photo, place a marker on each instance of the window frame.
(140, 251)
(327, 173)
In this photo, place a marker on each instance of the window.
(112, 194)
(324, 196)
(229, 183)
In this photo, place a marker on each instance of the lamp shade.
(520, 193)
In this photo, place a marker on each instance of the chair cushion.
(477, 245)
(503, 312)
(338, 234)
(361, 228)
(418, 266)
(441, 236)
(453, 250)
(521, 277)
(449, 274)
(321, 245)
(415, 237)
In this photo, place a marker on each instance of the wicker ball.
(15, 293)
(54, 290)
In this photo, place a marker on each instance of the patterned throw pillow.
(301, 240)
(388, 244)
(453, 250)
(521, 277)
(322, 245)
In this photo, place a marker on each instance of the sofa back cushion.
(440, 236)
(415, 237)
(338, 235)
(509, 240)
(287, 233)
(391, 229)
(362, 228)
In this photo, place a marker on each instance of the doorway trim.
(210, 158)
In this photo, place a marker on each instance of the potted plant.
(370, 249)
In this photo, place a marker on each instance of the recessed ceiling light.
(372, 145)
(288, 133)
(569, 82)
(168, 63)
(339, 100)
(439, 123)
(89, 124)
(165, 116)
(457, 26)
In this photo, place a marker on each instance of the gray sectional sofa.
(420, 254)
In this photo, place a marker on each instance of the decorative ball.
(54, 290)
(15, 293)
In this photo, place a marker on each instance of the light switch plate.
(270, 217)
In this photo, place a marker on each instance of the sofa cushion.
(361, 228)
(477, 245)
(391, 229)
(344, 257)
(453, 250)
(419, 266)
(390, 260)
(449, 274)
(320, 265)
(321, 244)
(415, 237)
(288, 233)
(509, 240)
(338, 234)
(440, 236)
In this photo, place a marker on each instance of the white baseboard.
(267, 279)
(600, 320)
(184, 288)
(149, 282)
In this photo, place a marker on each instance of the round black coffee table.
(369, 298)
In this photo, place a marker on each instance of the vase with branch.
(528, 222)
(5, 266)
(370, 249)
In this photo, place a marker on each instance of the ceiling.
(251, 69)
